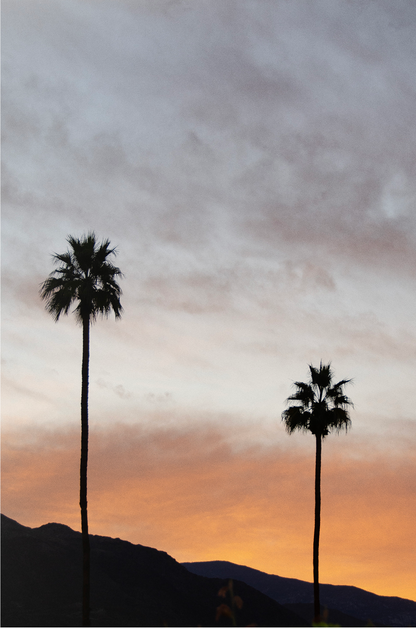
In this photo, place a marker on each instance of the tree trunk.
(83, 474)
(317, 604)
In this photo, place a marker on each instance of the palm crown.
(85, 275)
(321, 405)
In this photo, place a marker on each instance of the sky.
(253, 161)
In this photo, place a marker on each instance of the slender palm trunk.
(83, 474)
(317, 604)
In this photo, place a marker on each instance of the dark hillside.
(297, 594)
(131, 585)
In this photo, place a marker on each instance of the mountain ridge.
(131, 585)
(351, 600)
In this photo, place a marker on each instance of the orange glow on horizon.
(193, 497)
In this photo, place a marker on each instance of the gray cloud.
(253, 161)
(118, 389)
(268, 126)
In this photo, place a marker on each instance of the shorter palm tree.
(321, 407)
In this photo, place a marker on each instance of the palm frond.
(304, 393)
(296, 418)
(322, 376)
(338, 419)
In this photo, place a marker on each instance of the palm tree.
(87, 278)
(321, 407)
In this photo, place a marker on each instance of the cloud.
(278, 145)
(159, 398)
(118, 389)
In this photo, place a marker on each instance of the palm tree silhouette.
(321, 407)
(86, 277)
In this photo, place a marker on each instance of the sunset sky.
(254, 162)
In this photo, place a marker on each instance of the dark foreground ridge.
(346, 605)
(131, 585)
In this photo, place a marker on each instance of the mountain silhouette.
(347, 605)
(131, 585)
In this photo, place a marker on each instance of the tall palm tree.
(86, 278)
(321, 407)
